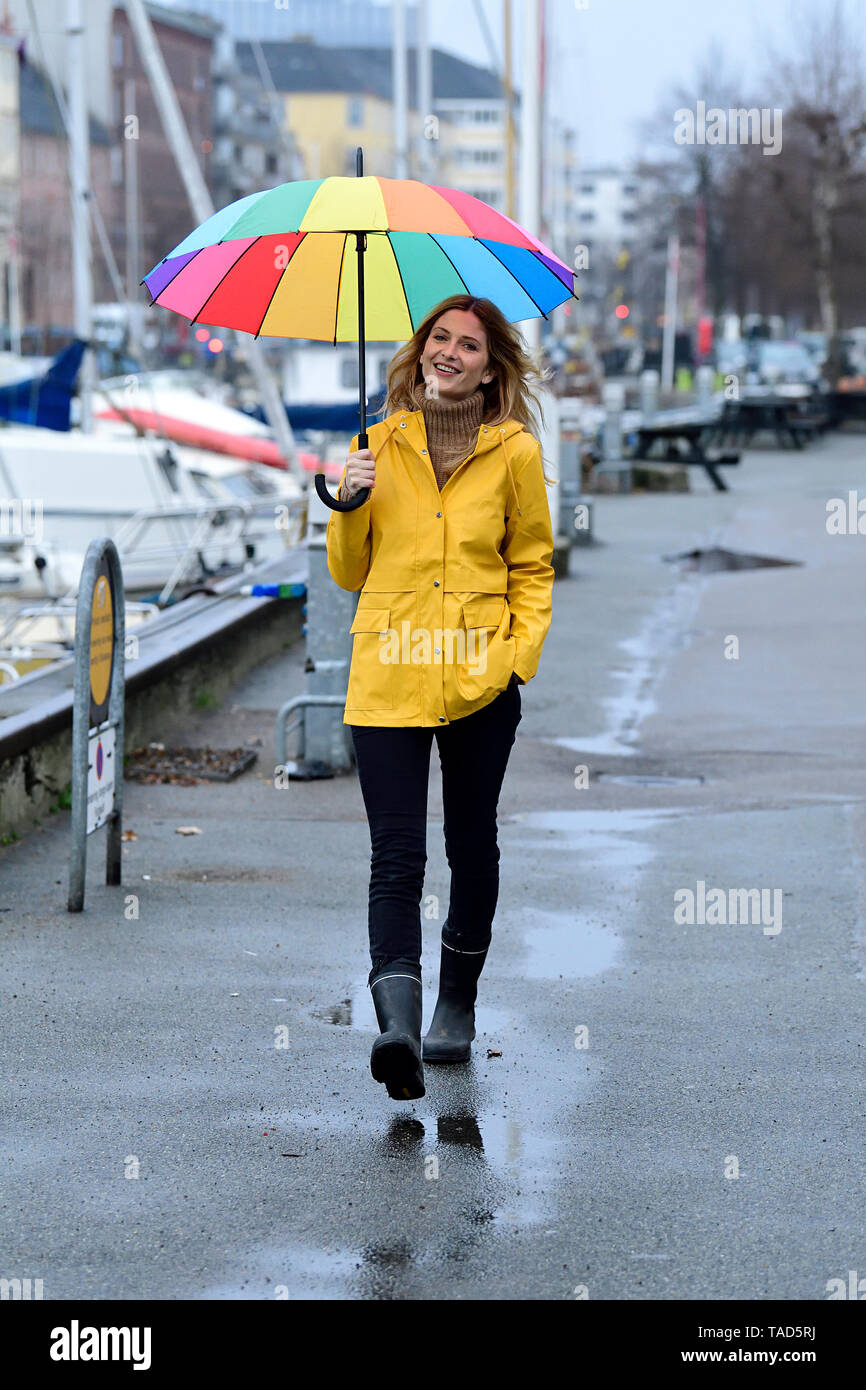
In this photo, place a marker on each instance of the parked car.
(771, 363)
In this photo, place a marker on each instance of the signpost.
(97, 714)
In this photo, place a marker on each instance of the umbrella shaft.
(360, 247)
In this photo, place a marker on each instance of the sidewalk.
(711, 1049)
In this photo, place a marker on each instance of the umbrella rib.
(515, 279)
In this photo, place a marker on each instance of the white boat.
(175, 512)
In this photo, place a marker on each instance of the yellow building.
(339, 98)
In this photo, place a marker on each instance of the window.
(587, 217)
(349, 373)
(117, 50)
(588, 188)
(629, 216)
(115, 156)
(629, 190)
(355, 111)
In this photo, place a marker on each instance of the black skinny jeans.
(394, 770)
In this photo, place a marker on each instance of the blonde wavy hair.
(511, 395)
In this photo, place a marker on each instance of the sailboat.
(185, 486)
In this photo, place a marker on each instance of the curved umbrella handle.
(335, 503)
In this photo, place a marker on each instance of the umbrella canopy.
(281, 263)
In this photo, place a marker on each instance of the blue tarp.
(45, 400)
(343, 417)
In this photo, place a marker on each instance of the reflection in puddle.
(384, 1268)
(340, 1014)
(460, 1129)
(404, 1136)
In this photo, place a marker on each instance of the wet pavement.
(677, 1110)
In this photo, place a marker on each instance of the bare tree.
(826, 92)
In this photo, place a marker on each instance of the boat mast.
(530, 140)
(79, 168)
(202, 207)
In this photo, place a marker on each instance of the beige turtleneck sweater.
(451, 427)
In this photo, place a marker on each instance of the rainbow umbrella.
(276, 264)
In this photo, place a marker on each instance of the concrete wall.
(32, 781)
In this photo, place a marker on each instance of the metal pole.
(202, 206)
(670, 328)
(509, 112)
(401, 88)
(428, 145)
(133, 254)
(529, 141)
(79, 170)
(14, 295)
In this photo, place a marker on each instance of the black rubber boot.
(453, 1026)
(396, 1056)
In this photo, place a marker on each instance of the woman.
(451, 551)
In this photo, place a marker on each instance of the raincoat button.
(435, 583)
(442, 719)
(485, 429)
(423, 451)
(402, 424)
(437, 651)
(438, 513)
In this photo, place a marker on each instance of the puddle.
(517, 1152)
(647, 779)
(715, 559)
(292, 1272)
(601, 834)
(569, 945)
(575, 944)
(666, 629)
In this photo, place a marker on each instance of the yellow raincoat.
(456, 586)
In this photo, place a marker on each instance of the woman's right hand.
(360, 472)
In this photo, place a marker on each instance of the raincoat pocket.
(488, 659)
(371, 676)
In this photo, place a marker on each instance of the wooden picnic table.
(793, 419)
(683, 436)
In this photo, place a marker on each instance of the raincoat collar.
(409, 424)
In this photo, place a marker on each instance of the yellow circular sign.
(101, 640)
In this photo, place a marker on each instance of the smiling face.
(458, 341)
